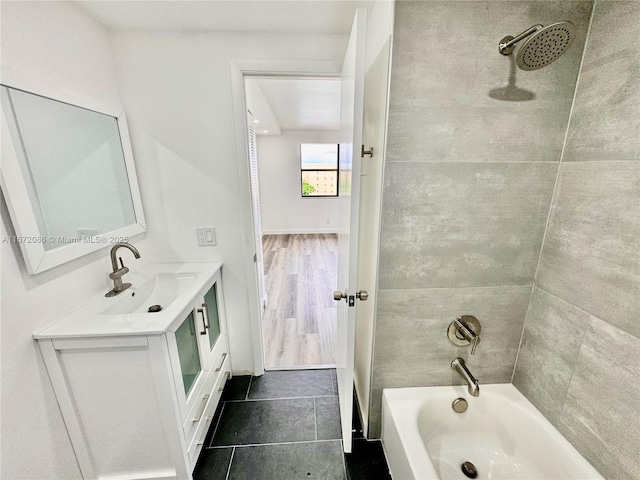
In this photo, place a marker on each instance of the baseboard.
(300, 231)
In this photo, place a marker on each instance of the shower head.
(544, 45)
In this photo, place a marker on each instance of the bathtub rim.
(401, 404)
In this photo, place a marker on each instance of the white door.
(255, 204)
(352, 105)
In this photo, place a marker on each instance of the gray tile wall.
(412, 348)
(463, 224)
(605, 121)
(468, 185)
(580, 354)
(591, 254)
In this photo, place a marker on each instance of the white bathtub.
(501, 433)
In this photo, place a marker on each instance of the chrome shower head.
(544, 45)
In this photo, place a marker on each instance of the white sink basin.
(173, 286)
(161, 289)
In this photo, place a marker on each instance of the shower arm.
(508, 43)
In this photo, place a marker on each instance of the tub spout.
(473, 387)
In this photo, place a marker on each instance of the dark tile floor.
(285, 425)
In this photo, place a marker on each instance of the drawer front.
(202, 427)
(195, 402)
(208, 392)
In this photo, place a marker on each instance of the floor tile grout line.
(215, 429)
(315, 417)
(249, 388)
(344, 460)
(217, 447)
(278, 398)
(230, 462)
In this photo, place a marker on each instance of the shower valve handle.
(468, 334)
(465, 330)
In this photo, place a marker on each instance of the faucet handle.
(469, 335)
(118, 273)
(476, 339)
(465, 330)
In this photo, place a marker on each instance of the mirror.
(67, 175)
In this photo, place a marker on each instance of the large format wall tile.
(463, 224)
(490, 134)
(590, 261)
(605, 124)
(600, 416)
(412, 348)
(446, 64)
(548, 352)
(591, 255)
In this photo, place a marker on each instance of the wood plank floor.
(299, 322)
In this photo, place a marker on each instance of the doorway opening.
(294, 126)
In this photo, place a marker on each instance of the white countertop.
(94, 319)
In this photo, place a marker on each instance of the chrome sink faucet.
(118, 272)
(473, 387)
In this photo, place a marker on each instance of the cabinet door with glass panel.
(213, 344)
(183, 339)
(197, 344)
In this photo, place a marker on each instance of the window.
(319, 169)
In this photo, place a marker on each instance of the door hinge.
(255, 258)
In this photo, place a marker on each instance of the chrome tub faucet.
(473, 387)
(118, 272)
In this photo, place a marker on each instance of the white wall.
(178, 93)
(57, 43)
(282, 207)
(176, 89)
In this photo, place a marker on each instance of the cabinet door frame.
(213, 356)
(186, 401)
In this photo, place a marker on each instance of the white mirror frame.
(36, 258)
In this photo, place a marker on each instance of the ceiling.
(276, 103)
(294, 104)
(300, 16)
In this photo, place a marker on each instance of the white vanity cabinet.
(199, 356)
(138, 390)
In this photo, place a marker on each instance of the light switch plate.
(206, 236)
